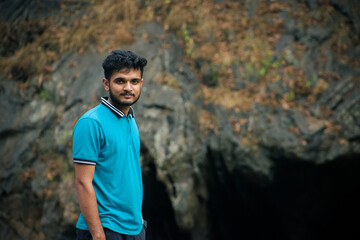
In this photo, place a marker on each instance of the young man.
(106, 152)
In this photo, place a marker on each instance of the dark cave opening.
(303, 201)
(237, 207)
(318, 201)
(157, 209)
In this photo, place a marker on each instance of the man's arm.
(87, 199)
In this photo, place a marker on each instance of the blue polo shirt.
(107, 138)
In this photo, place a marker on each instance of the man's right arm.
(84, 175)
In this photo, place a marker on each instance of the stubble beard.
(116, 101)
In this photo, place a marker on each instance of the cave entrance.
(318, 201)
(157, 207)
(303, 201)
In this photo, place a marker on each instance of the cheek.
(138, 89)
(116, 87)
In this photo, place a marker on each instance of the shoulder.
(90, 118)
(97, 114)
(93, 113)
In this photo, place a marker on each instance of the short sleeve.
(86, 141)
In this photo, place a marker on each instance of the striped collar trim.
(114, 109)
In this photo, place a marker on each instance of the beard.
(117, 101)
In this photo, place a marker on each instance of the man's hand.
(98, 236)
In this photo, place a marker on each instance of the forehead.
(129, 73)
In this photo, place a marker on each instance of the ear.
(105, 83)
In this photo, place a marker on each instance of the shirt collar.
(119, 113)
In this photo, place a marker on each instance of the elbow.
(82, 184)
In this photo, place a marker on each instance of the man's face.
(124, 87)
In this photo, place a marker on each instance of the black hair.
(119, 60)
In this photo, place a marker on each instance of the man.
(106, 152)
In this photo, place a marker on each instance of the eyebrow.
(121, 78)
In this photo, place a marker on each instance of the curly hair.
(119, 59)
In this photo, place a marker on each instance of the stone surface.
(288, 172)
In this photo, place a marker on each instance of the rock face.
(209, 172)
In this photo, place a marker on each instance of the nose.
(127, 86)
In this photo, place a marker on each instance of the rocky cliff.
(272, 154)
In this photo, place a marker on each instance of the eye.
(119, 81)
(135, 81)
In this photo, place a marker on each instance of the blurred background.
(249, 115)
